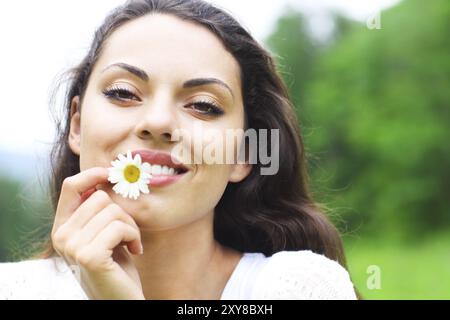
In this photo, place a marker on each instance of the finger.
(72, 189)
(114, 234)
(85, 195)
(68, 232)
(101, 220)
(87, 210)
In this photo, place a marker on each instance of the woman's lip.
(154, 157)
(164, 180)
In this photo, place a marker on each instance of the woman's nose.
(157, 120)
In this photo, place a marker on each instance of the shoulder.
(39, 279)
(303, 275)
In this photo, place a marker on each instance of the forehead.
(170, 49)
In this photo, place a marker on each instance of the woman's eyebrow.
(141, 74)
(131, 69)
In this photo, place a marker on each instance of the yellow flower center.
(131, 173)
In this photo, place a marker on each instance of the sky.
(40, 39)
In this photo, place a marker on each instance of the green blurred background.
(373, 105)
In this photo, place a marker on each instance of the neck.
(185, 263)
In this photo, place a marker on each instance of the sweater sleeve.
(303, 275)
(45, 279)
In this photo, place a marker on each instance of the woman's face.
(171, 52)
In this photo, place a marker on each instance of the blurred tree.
(294, 50)
(24, 219)
(375, 114)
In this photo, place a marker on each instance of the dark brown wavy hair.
(262, 213)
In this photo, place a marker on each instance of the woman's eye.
(207, 108)
(120, 94)
(202, 107)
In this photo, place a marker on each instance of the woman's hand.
(90, 233)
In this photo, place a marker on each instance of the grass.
(419, 271)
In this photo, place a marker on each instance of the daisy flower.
(131, 176)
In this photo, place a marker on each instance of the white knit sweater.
(284, 275)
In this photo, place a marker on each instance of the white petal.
(126, 193)
(138, 160)
(136, 189)
(116, 166)
(115, 163)
(115, 177)
(116, 171)
(129, 157)
(117, 188)
(145, 175)
(122, 157)
(132, 193)
(123, 189)
(143, 187)
(120, 165)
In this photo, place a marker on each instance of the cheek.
(210, 144)
(100, 117)
(102, 128)
(206, 188)
(212, 178)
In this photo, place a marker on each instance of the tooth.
(171, 171)
(156, 169)
(165, 170)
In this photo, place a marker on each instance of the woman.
(218, 231)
